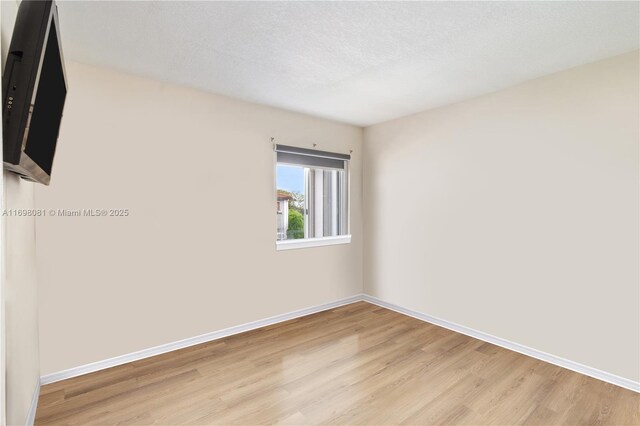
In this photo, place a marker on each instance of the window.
(312, 200)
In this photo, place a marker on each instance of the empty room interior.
(310, 213)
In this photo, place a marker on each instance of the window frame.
(315, 241)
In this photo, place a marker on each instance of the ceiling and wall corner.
(356, 62)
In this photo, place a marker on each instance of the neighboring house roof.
(284, 196)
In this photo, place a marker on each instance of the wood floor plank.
(356, 364)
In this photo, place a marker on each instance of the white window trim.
(312, 242)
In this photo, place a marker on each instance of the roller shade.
(310, 157)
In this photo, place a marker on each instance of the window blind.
(311, 157)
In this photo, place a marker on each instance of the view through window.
(291, 202)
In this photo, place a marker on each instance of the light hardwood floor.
(357, 364)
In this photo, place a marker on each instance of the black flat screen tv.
(34, 88)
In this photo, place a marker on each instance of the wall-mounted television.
(34, 88)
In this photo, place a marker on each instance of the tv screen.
(34, 92)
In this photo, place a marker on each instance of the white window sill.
(312, 242)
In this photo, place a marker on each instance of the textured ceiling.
(357, 62)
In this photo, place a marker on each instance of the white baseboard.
(552, 359)
(31, 415)
(157, 350)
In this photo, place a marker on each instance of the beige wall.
(516, 214)
(20, 284)
(21, 301)
(197, 254)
